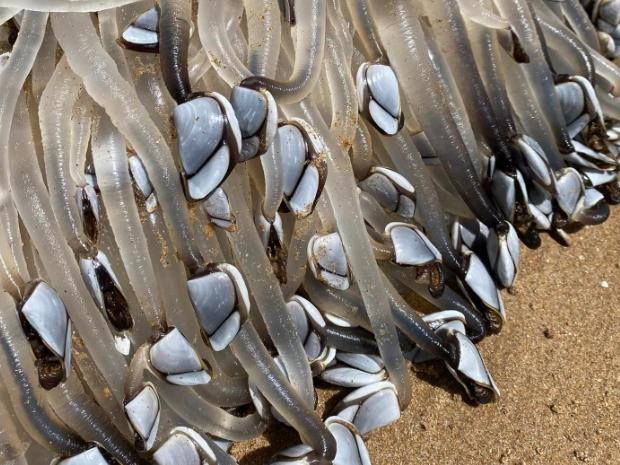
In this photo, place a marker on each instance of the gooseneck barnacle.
(206, 207)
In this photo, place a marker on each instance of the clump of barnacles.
(204, 211)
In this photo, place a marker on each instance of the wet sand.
(557, 363)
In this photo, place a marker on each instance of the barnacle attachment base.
(221, 301)
(209, 141)
(470, 370)
(378, 97)
(303, 164)
(47, 327)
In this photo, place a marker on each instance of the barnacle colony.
(205, 211)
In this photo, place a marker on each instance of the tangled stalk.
(203, 211)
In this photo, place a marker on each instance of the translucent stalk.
(214, 17)
(265, 289)
(34, 207)
(271, 162)
(17, 367)
(78, 411)
(309, 47)
(108, 29)
(449, 299)
(45, 64)
(263, 20)
(174, 30)
(403, 39)
(271, 382)
(451, 33)
(580, 22)
(409, 163)
(569, 49)
(14, 75)
(57, 102)
(183, 400)
(344, 112)
(13, 445)
(88, 59)
(331, 301)
(115, 184)
(362, 21)
(297, 259)
(341, 188)
(81, 122)
(68, 6)
(536, 71)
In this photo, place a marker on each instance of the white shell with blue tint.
(200, 128)
(503, 253)
(571, 100)
(90, 456)
(351, 377)
(383, 86)
(570, 190)
(218, 208)
(471, 366)
(173, 356)
(47, 314)
(370, 407)
(214, 298)
(385, 121)
(481, 283)
(143, 412)
(251, 109)
(211, 175)
(536, 160)
(139, 175)
(303, 199)
(328, 261)
(411, 247)
(292, 147)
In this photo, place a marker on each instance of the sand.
(557, 363)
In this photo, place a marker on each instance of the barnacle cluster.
(205, 206)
